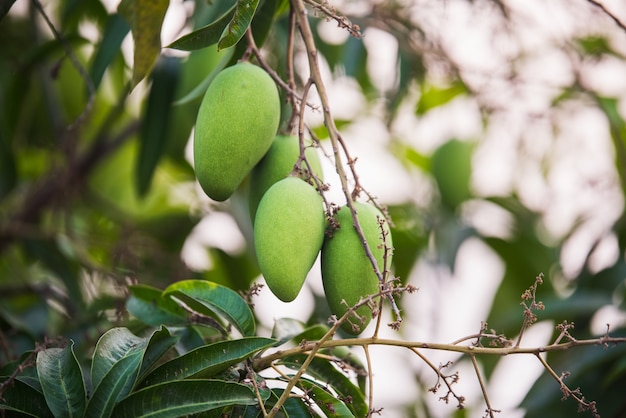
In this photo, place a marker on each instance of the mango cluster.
(235, 138)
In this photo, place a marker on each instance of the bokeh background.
(492, 130)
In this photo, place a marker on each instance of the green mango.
(277, 164)
(236, 123)
(347, 272)
(288, 235)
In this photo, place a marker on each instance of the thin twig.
(615, 19)
(257, 54)
(333, 133)
(370, 378)
(483, 388)
(75, 62)
(583, 404)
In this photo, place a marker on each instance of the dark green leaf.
(183, 397)
(147, 304)
(326, 372)
(200, 89)
(326, 401)
(115, 385)
(8, 168)
(207, 361)
(261, 24)
(62, 381)
(156, 121)
(65, 268)
(293, 407)
(21, 397)
(160, 343)
(114, 33)
(214, 298)
(112, 347)
(206, 36)
(5, 6)
(145, 18)
(244, 12)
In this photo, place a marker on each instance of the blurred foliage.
(97, 197)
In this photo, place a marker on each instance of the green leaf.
(213, 298)
(293, 406)
(200, 89)
(436, 96)
(113, 346)
(145, 18)
(183, 397)
(451, 166)
(48, 252)
(205, 36)
(244, 12)
(595, 46)
(156, 121)
(21, 397)
(324, 371)
(8, 168)
(62, 381)
(5, 6)
(160, 343)
(209, 360)
(148, 304)
(115, 385)
(326, 401)
(114, 33)
(286, 329)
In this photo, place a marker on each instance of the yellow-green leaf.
(145, 18)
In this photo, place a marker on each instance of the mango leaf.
(145, 18)
(115, 385)
(200, 89)
(114, 33)
(8, 167)
(147, 304)
(67, 269)
(112, 347)
(595, 46)
(292, 408)
(437, 96)
(23, 398)
(156, 120)
(286, 329)
(213, 298)
(261, 24)
(326, 401)
(160, 343)
(244, 12)
(208, 360)
(183, 397)
(62, 381)
(324, 371)
(205, 36)
(5, 6)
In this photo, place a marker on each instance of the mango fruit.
(236, 123)
(288, 235)
(277, 164)
(347, 272)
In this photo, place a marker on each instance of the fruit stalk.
(333, 133)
